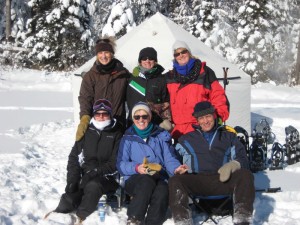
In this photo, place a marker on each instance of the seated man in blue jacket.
(218, 166)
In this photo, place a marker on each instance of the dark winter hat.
(203, 108)
(102, 104)
(149, 53)
(104, 45)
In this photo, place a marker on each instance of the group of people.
(171, 145)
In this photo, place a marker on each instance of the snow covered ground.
(37, 132)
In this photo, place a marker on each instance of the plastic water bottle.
(102, 208)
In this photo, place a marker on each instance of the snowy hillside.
(34, 157)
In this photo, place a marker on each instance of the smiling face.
(206, 122)
(182, 56)
(141, 119)
(104, 57)
(147, 62)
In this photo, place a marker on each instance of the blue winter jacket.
(207, 152)
(157, 149)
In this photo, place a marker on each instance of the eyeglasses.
(104, 114)
(145, 58)
(102, 103)
(137, 117)
(179, 53)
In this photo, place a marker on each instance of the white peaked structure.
(160, 32)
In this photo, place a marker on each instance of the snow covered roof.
(160, 32)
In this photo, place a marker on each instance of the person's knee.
(244, 174)
(93, 186)
(147, 182)
(174, 182)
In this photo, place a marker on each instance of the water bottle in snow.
(102, 208)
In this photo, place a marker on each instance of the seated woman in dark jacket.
(91, 164)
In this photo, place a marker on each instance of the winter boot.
(133, 221)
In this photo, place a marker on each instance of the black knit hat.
(104, 45)
(148, 52)
(203, 108)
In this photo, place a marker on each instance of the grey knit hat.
(141, 105)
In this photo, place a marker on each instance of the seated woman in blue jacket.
(146, 159)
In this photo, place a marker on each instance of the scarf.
(100, 125)
(144, 133)
(108, 68)
(185, 69)
(140, 71)
(192, 69)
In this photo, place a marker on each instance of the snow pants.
(85, 200)
(240, 184)
(149, 195)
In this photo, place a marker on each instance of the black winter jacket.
(97, 149)
(150, 88)
(203, 156)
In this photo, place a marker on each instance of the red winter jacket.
(183, 98)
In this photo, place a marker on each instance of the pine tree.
(254, 39)
(120, 20)
(59, 33)
(206, 19)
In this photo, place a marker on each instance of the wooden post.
(8, 19)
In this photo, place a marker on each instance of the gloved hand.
(227, 169)
(71, 187)
(151, 168)
(89, 175)
(166, 124)
(230, 129)
(82, 126)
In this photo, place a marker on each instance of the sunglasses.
(179, 53)
(145, 58)
(137, 117)
(102, 103)
(104, 114)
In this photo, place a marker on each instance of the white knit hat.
(180, 44)
(139, 106)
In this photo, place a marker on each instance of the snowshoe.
(264, 128)
(277, 156)
(258, 153)
(292, 145)
(243, 136)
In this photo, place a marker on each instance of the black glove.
(89, 175)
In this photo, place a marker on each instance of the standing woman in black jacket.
(148, 84)
(91, 164)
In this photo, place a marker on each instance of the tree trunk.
(8, 19)
(297, 73)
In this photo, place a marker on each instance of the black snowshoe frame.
(262, 136)
(292, 145)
